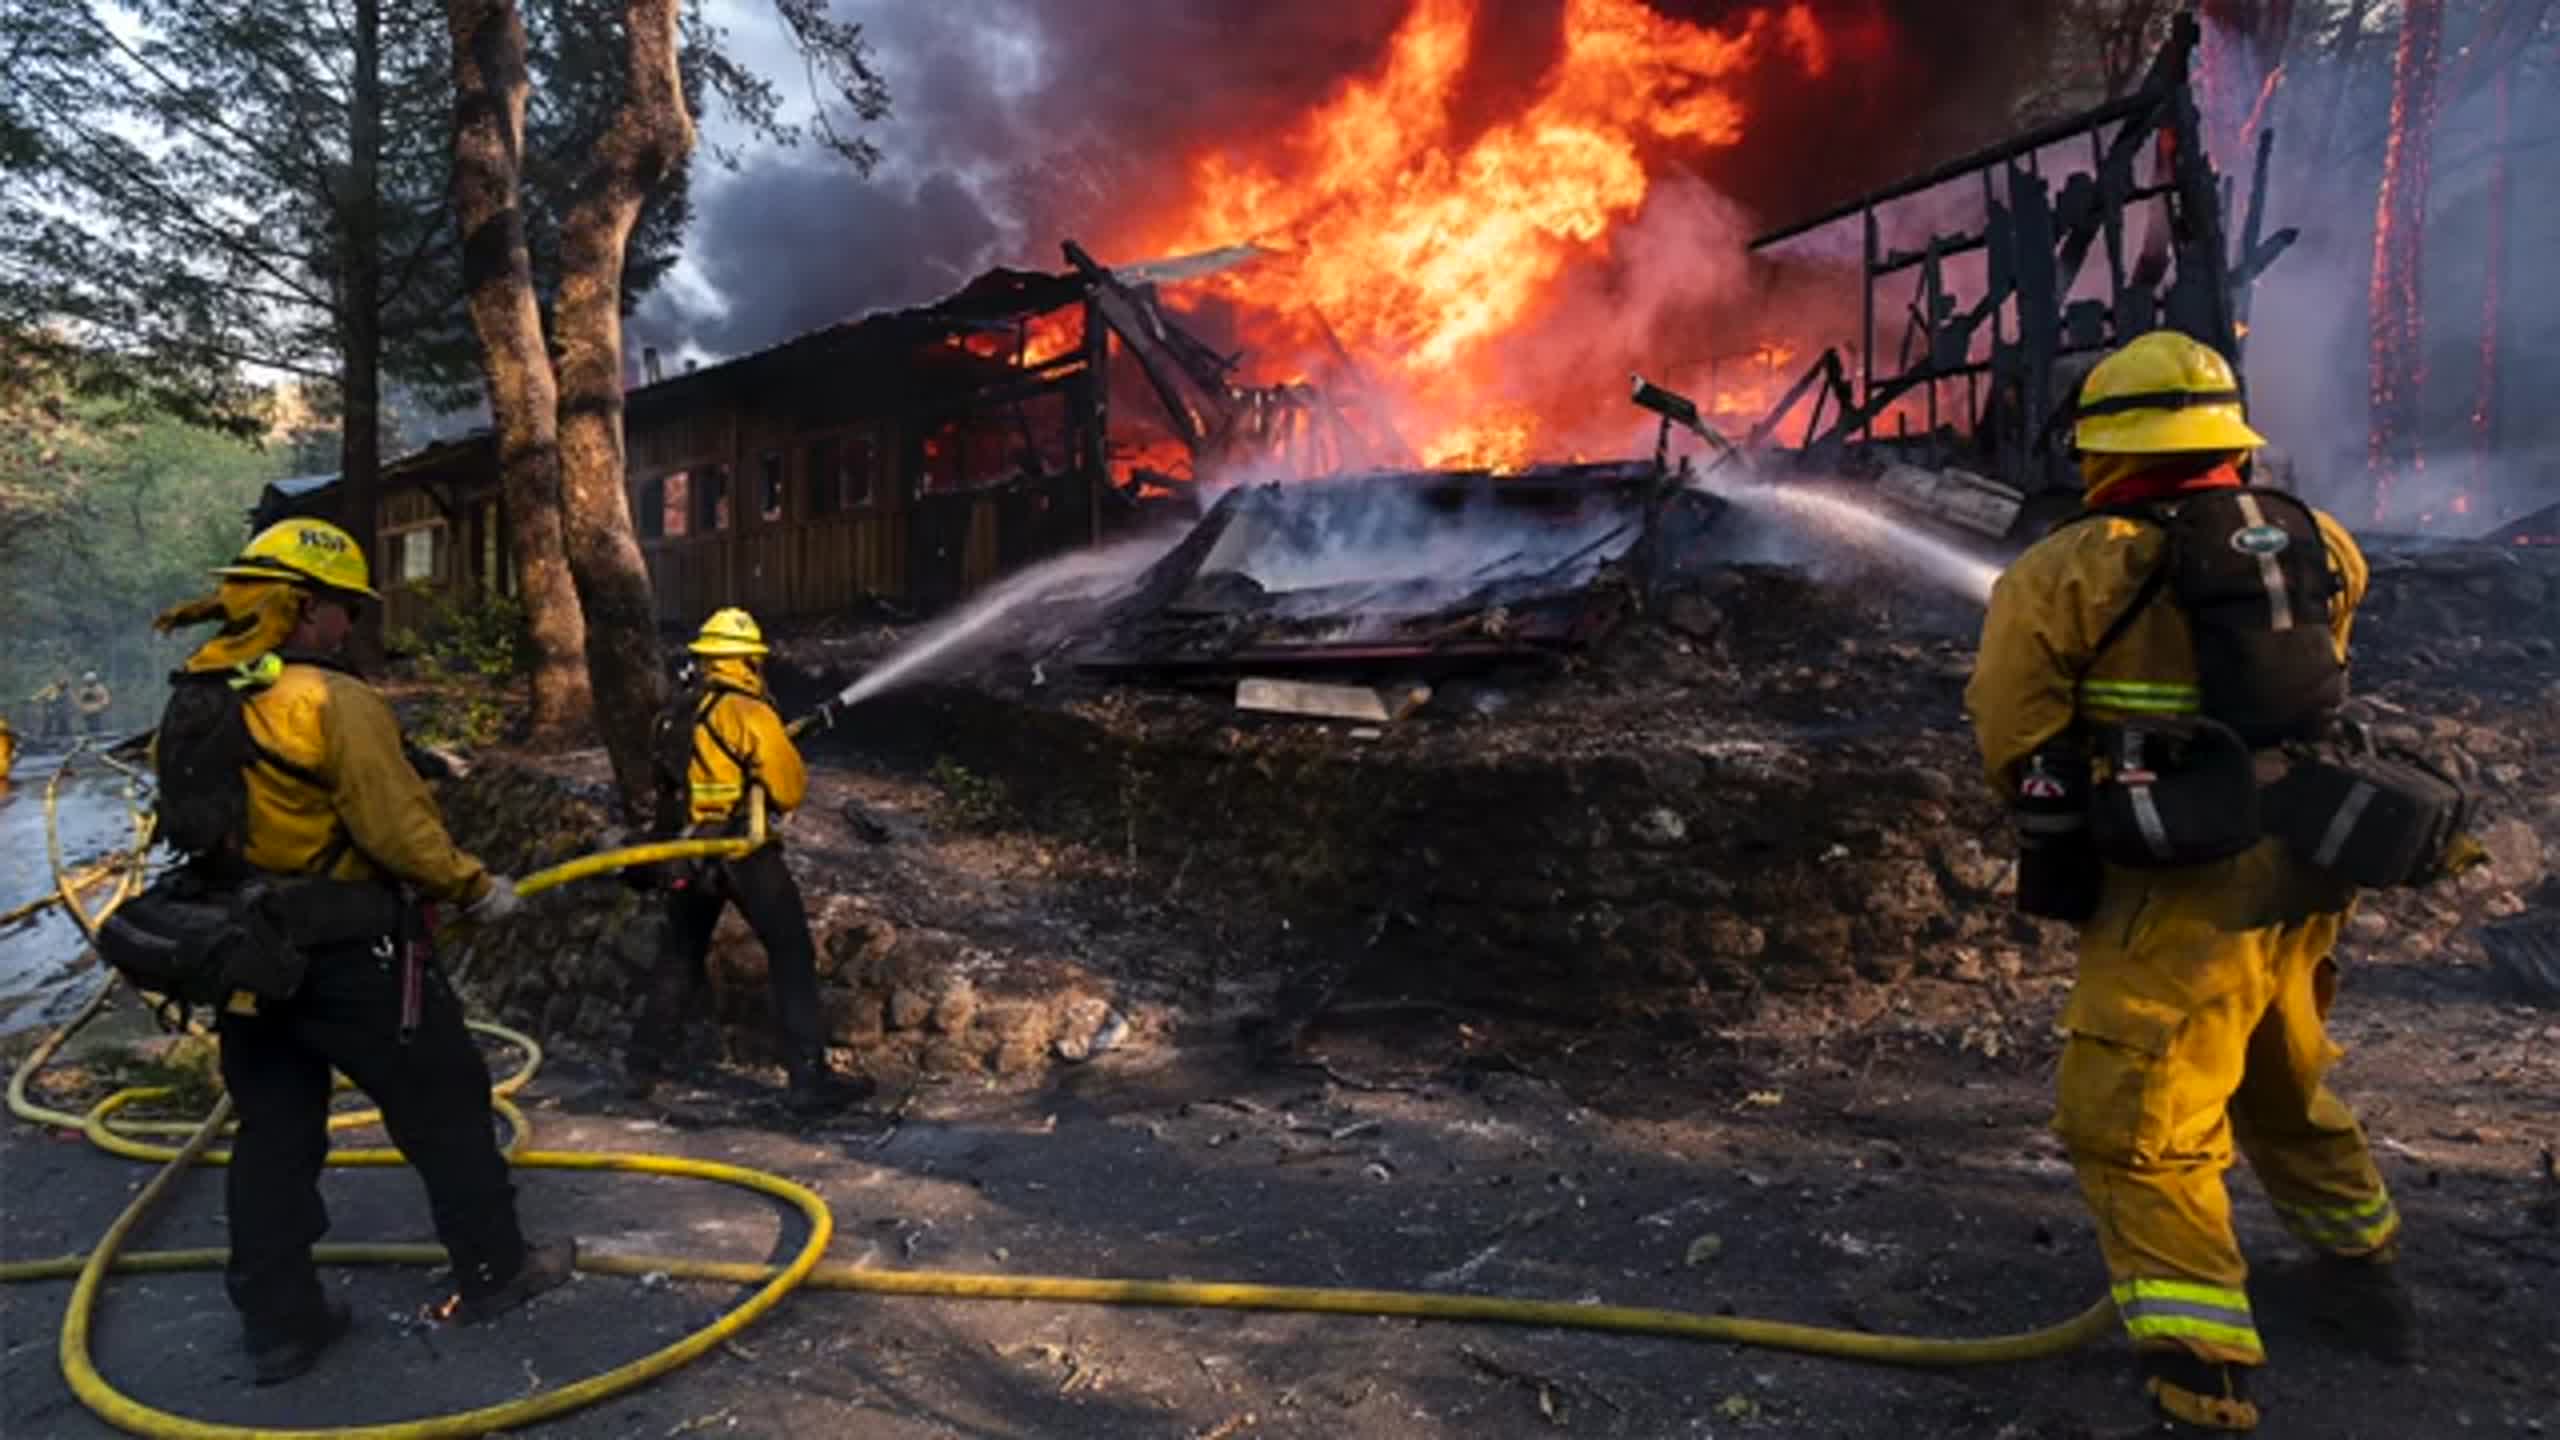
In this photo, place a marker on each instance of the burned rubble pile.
(1759, 780)
(1756, 779)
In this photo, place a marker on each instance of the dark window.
(649, 510)
(770, 506)
(711, 504)
(826, 492)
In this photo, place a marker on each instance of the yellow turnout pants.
(2197, 1018)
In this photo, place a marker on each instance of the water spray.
(1827, 513)
(973, 625)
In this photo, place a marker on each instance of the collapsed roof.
(1416, 571)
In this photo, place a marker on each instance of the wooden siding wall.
(797, 563)
(921, 550)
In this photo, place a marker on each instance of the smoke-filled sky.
(1022, 122)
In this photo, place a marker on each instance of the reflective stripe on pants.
(2185, 1313)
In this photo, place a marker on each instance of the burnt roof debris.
(1415, 572)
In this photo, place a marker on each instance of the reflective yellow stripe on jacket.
(2141, 697)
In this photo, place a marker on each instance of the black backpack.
(213, 931)
(2250, 569)
(671, 750)
(202, 757)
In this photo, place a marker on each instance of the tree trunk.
(650, 137)
(359, 210)
(491, 88)
(2397, 353)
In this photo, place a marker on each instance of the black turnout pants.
(433, 1091)
(769, 898)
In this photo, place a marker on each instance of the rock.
(1083, 1023)
(1903, 890)
(849, 1016)
(950, 1056)
(2515, 854)
(1018, 1022)
(858, 943)
(908, 1008)
(1018, 1057)
(1972, 867)
(954, 1008)
(1730, 937)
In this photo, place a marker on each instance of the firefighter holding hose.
(2139, 670)
(721, 753)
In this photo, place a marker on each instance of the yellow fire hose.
(775, 1282)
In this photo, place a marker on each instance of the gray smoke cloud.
(1022, 122)
(2307, 359)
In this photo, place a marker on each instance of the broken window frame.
(831, 484)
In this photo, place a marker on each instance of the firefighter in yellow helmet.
(2197, 1019)
(8, 749)
(718, 743)
(333, 811)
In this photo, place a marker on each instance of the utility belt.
(196, 940)
(2169, 792)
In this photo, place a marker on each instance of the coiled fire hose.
(805, 1269)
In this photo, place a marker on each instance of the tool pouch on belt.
(2377, 818)
(2177, 790)
(2059, 877)
(198, 942)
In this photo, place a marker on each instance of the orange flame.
(1046, 337)
(1426, 247)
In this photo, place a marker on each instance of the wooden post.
(1867, 325)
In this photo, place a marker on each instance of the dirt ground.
(1875, 1158)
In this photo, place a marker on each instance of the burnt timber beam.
(1142, 328)
(2003, 152)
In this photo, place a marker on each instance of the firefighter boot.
(2362, 1300)
(545, 1268)
(282, 1359)
(2196, 1396)
(818, 1090)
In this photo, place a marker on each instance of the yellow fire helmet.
(729, 632)
(2162, 393)
(306, 552)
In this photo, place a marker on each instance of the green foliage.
(179, 181)
(468, 653)
(971, 801)
(135, 514)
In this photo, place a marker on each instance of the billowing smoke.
(1023, 122)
